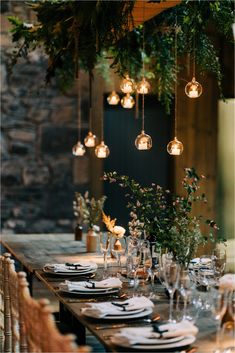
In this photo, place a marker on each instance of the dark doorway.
(121, 129)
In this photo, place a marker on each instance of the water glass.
(171, 271)
(118, 248)
(185, 286)
(104, 247)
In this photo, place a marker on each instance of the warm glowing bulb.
(127, 85)
(102, 150)
(175, 147)
(78, 149)
(143, 141)
(193, 89)
(127, 101)
(143, 87)
(90, 140)
(113, 98)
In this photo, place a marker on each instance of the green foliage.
(166, 216)
(78, 33)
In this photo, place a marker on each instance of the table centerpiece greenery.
(165, 217)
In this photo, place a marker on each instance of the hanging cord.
(176, 64)
(102, 124)
(194, 59)
(143, 112)
(143, 46)
(79, 109)
(90, 101)
(76, 55)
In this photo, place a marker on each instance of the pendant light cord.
(176, 64)
(194, 59)
(79, 109)
(143, 46)
(143, 112)
(90, 101)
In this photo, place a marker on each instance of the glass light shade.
(175, 147)
(102, 150)
(143, 87)
(90, 140)
(78, 149)
(143, 141)
(127, 101)
(113, 98)
(193, 89)
(127, 85)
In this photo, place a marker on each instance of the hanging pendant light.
(143, 141)
(193, 89)
(102, 150)
(143, 87)
(113, 98)
(127, 85)
(175, 147)
(78, 149)
(127, 101)
(90, 139)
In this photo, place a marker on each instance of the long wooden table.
(34, 251)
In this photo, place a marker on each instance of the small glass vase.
(78, 230)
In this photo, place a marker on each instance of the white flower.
(96, 228)
(27, 25)
(227, 282)
(119, 231)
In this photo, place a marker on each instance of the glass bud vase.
(78, 232)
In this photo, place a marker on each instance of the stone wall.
(38, 129)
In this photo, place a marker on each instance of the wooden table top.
(34, 251)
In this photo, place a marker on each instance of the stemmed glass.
(218, 307)
(171, 270)
(104, 247)
(144, 270)
(185, 289)
(219, 262)
(118, 248)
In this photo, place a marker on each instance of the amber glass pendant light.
(127, 101)
(175, 147)
(113, 98)
(127, 85)
(143, 141)
(79, 149)
(102, 150)
(193, 89)
(90, 139)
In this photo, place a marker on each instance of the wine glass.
(171, 270)
(144, 269)
(104, 247)
(219, 302)
(219, 262)
(118, 248)
(185, 289)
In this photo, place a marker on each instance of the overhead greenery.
(89, 33)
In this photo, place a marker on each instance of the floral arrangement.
(116, 231)
(88, 210)
(87, 33)
(167, 218)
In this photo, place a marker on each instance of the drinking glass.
(219, 262)
(118, 248)
(219, 302)
(104, 247)
(144, 269)
(185, 289)
(227, 344)
(171, 270)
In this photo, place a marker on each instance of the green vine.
(68, 30)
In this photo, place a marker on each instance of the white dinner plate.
(157, 347)
(130, 315)
(69, 273)
(91, 291)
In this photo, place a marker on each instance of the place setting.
(81, 268)
(91, 288)
(133, 308)
(157, 337)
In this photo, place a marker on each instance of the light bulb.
(143, 141)
(127, 85)
(113, 98)
(78, 149)
(127, 101)
(143, 87)
(175, 147)
(193, 89)
(102, 150)
(90, 140)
